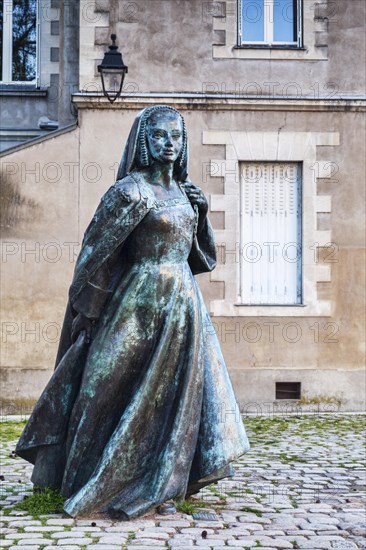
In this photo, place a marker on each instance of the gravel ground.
(302, 485)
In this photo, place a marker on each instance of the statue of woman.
(140, 409)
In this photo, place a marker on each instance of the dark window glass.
(24, 39)
(253, 20)
(284, 21)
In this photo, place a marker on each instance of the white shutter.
(270, 233)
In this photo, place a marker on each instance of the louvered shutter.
(270, 233)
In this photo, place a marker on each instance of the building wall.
(33, 109)
(58, 199)
(24, 106)
(175, 46)
(177, 49)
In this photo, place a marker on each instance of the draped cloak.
(146, 411)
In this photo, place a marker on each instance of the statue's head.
(158, 134)
(162, 136)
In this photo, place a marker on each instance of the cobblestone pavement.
(302, 485)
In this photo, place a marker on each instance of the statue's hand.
(197, 197)
(79, 324)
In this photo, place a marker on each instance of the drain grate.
(205, 516)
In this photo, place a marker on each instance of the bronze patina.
(140, 409)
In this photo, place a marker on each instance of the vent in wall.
(288, 390)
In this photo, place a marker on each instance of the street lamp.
(114, 69)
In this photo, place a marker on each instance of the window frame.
(264, 146)
(7, 49)
(268, 42)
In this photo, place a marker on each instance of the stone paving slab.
(302, 486)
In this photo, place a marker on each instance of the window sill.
(269, 305)
(269, 53)
(223, 308)
(268, 47)
(28, 90)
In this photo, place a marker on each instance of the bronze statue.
(140, 409)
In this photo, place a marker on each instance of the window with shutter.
(270, 269)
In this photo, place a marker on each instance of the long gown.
(146, 412)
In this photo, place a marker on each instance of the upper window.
(18, 37)
(270, 23)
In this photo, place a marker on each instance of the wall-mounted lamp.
(113, 69)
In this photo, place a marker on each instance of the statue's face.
(165, 137)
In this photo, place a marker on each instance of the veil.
(135, 155)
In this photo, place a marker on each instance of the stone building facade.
(275, 115)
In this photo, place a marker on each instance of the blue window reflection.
(284, 20)
(269, 21)
(253, 20)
